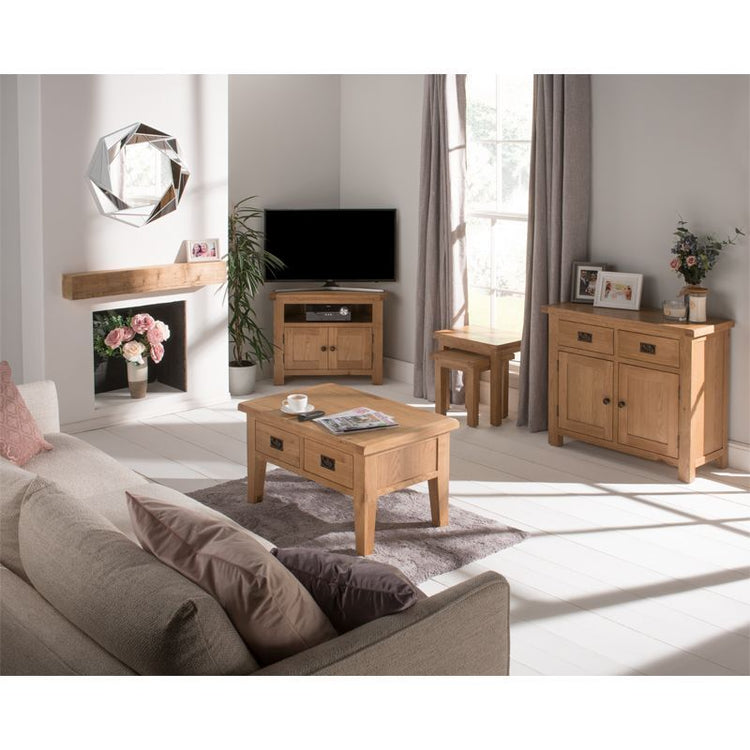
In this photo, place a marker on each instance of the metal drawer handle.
(606, 401)
(323, 348)
(328, 463)
(585, 336)
(648, 348)
(277, 443)
(332, 348)
(620, 404)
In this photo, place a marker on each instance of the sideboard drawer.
(647, 348)
(277, 443)
(329, 463)
(585, 337)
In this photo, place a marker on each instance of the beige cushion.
(144, 613)
(81, 469)
(41, 399)
(272, 611)
(14, 482)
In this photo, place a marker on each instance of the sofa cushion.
(14, 482)
(144, 613)
(81, 469)
(350, 590)
(271, 610)
(20, 438)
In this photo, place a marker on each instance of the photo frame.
(620, 290)
(199, 251)
(583, 280)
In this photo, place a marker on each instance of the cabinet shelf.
(173, 276)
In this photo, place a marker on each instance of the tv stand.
(353, 347)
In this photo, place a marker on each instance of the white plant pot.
(137, 379)
(242, 379)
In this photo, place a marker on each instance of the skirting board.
(403, 372)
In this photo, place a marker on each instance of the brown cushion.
(20, 438)
(272, 612)
(350, 590)
(144, 613)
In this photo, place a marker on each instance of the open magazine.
(357, 419)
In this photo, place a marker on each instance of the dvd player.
(327, 313)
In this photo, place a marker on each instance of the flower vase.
(697, 298)
(137, 379)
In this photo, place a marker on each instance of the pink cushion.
(20, 438)
(269, 607)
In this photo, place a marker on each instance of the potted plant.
(247, 262)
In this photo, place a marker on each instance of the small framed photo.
(200, 250)
(622, 290)
(583, 284)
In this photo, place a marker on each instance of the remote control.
(310, 415)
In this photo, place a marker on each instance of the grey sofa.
(78, 595)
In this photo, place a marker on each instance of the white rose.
(164, 330)
(133, 351)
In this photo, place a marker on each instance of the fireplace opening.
(110, 373)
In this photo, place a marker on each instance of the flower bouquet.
(695, 256)
(135, 339)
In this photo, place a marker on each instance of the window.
(498, 124)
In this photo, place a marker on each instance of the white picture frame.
(619, 290)
(200, 251)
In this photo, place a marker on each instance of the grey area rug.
(296, 512)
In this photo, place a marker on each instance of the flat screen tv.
(330, 245)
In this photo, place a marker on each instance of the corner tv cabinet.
(631, 381)
(352, 347)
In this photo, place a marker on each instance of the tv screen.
(345, 244)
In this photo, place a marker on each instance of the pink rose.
(691, 261)
(142, 322)
(675, 263)
(127, 333)
(133, 351)
(157, 352)
(160, 332)
(114, 338)
(154, 336)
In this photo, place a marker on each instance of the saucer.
(307, 410)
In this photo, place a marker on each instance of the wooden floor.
(626, 571)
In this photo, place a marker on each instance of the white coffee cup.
(296, 402)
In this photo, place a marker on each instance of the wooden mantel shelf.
(172, 276)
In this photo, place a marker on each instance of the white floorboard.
(626, 569)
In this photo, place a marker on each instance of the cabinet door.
(306, 348)
(586, 398)
(647, 414)
(350, 348)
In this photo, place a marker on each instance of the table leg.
(506, 385)
(497, 389)
(365, 511)
(256, 478)
(439, 485)
(442, 389)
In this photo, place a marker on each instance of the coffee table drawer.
(328, 462)
(276, 443)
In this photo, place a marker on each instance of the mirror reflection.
(137, 174)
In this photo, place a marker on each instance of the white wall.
(75, 111)
(671, 146)
(381, 122)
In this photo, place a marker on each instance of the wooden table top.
(494, 338)
(414, 423)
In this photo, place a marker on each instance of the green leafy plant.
(247, 262)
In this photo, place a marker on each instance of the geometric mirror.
(137, 175)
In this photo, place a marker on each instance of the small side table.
(499, 346)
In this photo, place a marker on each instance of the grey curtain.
(442, 284)
(559, 195)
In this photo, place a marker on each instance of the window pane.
(481, 185)
(481, 108)
(514, 160)
(480, 301)
(515, 97)
(509, 244)
(479, 247)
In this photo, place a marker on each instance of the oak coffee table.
(364, 465)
